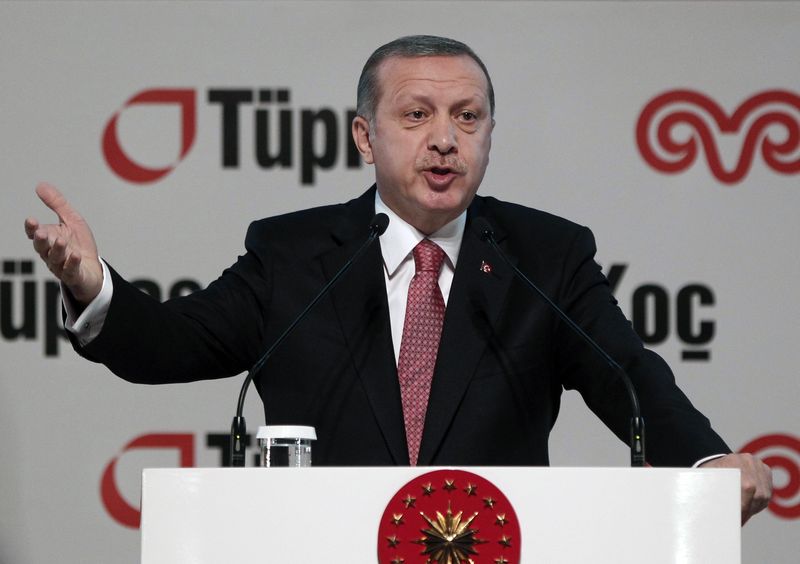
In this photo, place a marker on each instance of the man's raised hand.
(67, 248)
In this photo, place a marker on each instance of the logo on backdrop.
(782, 454)
(30, 307)
(118, 159)
(323, 134)
(657, 314)
(129, 515)
(674, 127)
(117, 507)
(462, 517)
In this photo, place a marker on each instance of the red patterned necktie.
(422, 330)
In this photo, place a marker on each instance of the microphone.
(377, 227)
(484, 230)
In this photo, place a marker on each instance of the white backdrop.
(572, 80)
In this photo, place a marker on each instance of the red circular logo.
(449, 516)
(781, 453)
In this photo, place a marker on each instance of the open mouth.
(439, 178)
(441, 174)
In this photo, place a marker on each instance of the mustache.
(452, 162)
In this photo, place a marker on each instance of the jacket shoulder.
(528, 223)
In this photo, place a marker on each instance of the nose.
(442, 136)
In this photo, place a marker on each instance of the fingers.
(42, 242)
(756, 486)
(56, 201)
(31, 225)
(756, 481)
(52, 250)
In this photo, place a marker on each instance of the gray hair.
(409, 46)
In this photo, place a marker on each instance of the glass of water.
(286, 445)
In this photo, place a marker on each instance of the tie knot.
(428, 256)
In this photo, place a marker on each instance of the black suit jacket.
(503, 361)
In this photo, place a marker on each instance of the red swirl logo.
(674, 126)
(782, 454)
(118, 159)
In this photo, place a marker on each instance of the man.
(431, 352)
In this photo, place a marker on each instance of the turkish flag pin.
(486, 268)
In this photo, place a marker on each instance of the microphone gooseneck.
(377, 227)
(484, 230)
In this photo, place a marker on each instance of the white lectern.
(565, 515)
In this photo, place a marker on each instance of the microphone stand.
(637, 423)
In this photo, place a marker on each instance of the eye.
(468, 116)
(416, 115)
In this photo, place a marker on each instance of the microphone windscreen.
(379, 224)
(483, 228)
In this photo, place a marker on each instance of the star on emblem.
(428, 489)
(505, 541)
(449, 485)
(500, 560)
(488, 502)
(449, 539)
(393, 541)
(409, 501)
(501, 519)
(397, 518)
(470, 489)
(398, 560)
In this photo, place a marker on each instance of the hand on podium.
(756, 481)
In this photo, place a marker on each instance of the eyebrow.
(423, 98)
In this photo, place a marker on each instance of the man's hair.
(409, 46)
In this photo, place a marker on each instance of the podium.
(565, 515)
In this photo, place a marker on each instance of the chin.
(445, 202)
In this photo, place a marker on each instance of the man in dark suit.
(459, 367)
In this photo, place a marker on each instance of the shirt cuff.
(90, 321)
(706, 459)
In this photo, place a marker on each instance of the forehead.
(408, 76)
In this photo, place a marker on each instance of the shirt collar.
(400, 238)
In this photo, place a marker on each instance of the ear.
(360, 131)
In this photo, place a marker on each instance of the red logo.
(674, 126)
(782, 454)
(126, 167)
(118, 508)
(449, 516)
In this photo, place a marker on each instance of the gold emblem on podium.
(449, 517)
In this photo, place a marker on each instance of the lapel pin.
(486, 268)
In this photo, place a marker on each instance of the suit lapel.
(476, 298)
(362, 307)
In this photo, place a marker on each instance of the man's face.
(430, 138)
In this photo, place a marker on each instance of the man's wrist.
(702, 461)
(85, 322)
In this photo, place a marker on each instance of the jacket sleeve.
(676, 433)
(212, 333)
